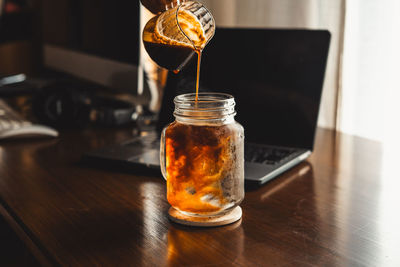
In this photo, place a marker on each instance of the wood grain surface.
(337, 209)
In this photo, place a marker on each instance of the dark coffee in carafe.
(171, 38)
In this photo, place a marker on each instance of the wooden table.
(338, 209)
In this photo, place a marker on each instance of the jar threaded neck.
(209, 108)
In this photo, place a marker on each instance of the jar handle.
(162, 154)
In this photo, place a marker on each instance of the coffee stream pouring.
(175, 34)
(202, 151)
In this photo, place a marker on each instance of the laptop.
(276, 77)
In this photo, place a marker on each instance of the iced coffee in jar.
(202, 156)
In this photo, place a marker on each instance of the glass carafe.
(172, 37)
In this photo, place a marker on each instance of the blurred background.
(100, 41)
(17, 39)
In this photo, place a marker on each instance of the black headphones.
(63, 105)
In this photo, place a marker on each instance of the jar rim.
(208, 107)
(207, 97)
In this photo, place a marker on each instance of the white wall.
(371, 88)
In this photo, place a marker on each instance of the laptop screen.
(275, 75)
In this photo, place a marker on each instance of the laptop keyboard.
(253, 153)
(150, 140)
(13, 125)
(266, 155)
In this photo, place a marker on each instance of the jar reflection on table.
(200, 247)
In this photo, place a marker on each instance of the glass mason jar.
(202, 155)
